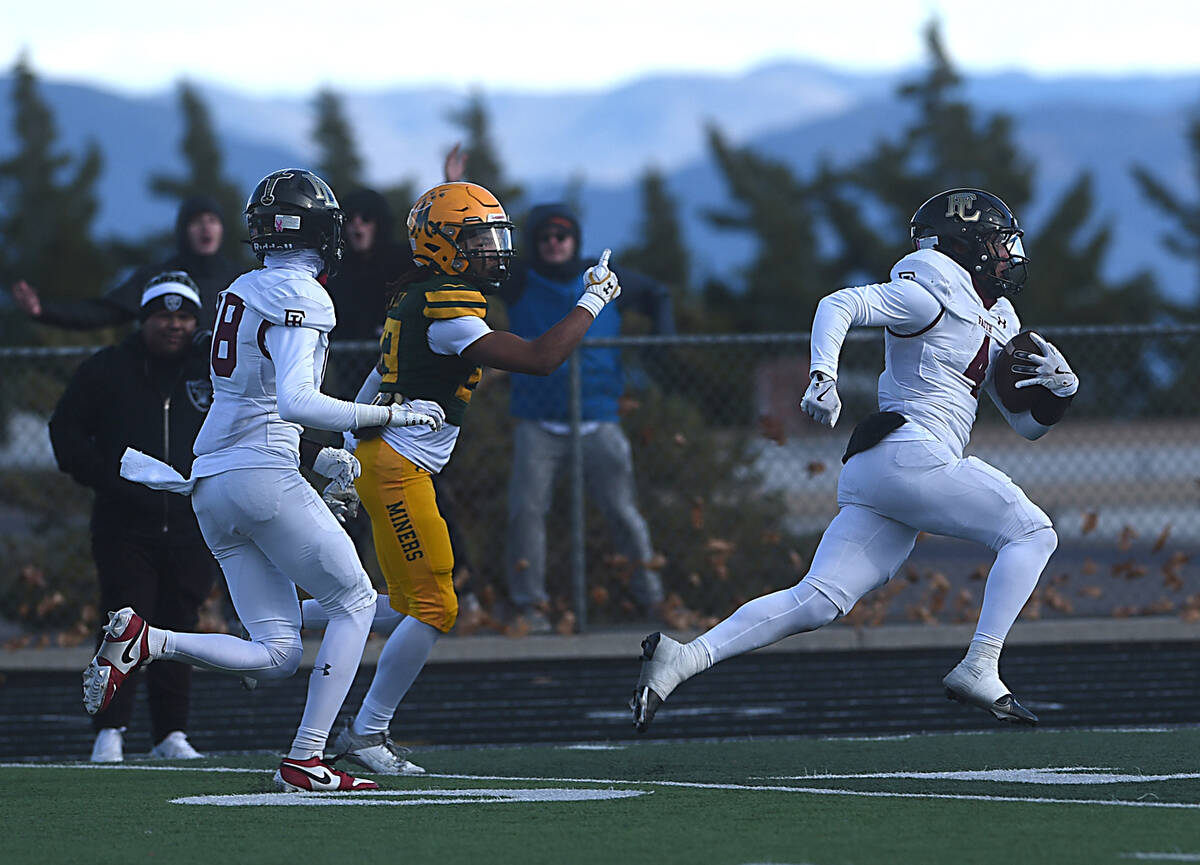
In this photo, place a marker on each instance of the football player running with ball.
(946, 316)
(434, 345)
(266, 525)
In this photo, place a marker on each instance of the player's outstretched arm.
(542, 356)
(293, 350)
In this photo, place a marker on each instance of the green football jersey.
(406, 362)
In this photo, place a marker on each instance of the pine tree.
(660, 251)
(483, 163)
(48, 204)
(948, 144)
(338, 161)
(1184, 241)
(789, 273)
(204, 171)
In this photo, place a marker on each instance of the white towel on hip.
(144, 469)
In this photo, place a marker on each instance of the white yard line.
(693, 785)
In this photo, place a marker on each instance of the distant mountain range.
(795, 112)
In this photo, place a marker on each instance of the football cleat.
(109, 746)
(975, 687)
(175, 746)
(374, 751)
(125, 647)
(314, 776)
(659, 677)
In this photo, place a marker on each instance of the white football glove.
(1049, 369)
(821, 401)
(600, 286)
(339, 465)
(417, 412)
(341, 500)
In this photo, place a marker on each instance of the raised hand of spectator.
(455, 167)
(26, 297)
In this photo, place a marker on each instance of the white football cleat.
(175, 747)
(125, 647)
(109, 747)
(374, 751)
(313, 775)
(969, 684)
(661, 674)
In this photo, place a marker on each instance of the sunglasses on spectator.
(556, 236)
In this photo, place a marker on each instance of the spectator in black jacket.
(372, 260)
(199, 230)
(150, 392)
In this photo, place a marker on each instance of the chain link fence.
(734, 483)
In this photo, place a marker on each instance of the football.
(1014, 399)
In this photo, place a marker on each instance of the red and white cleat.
(125, 647)
(312, 775)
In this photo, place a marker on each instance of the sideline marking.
(1059, 775)
(412, 797)
(833, 791)
(1163, 857)
(694, 785)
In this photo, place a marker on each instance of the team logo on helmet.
(268, 196)
(960, 203)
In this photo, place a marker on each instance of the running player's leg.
(304, 540)
(229, 507)
(413, 546)
(314, 618)
(859, 551)
(969, 499)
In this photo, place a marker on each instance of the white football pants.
(270, 532)
(887, 495)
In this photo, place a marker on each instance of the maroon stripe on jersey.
(922, 330)
(262, 337)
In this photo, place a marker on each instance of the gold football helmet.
(461, 229)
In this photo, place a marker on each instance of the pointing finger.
(604, 257)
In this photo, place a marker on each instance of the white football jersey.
(243, 428)
(937, 353)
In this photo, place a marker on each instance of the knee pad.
(813, 609)
(285, 654)
(1044, 537)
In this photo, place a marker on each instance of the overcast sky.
(143, 45)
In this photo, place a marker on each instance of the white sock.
(220, 652)
(983, 655)
(401, 660)
(313, 616)
(768, 620)
(156, 638)
(1010, 582)
(333, 673)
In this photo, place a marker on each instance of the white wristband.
(593, 303)
(371, 415)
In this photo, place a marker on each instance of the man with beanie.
(150, 392)
(199, 230)
(544, 286)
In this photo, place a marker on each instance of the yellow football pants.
(411, 538)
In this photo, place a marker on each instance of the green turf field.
(999, 797)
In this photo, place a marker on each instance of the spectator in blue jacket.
(543, 288)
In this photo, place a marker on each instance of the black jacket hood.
(192, 207)
(539, 217)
